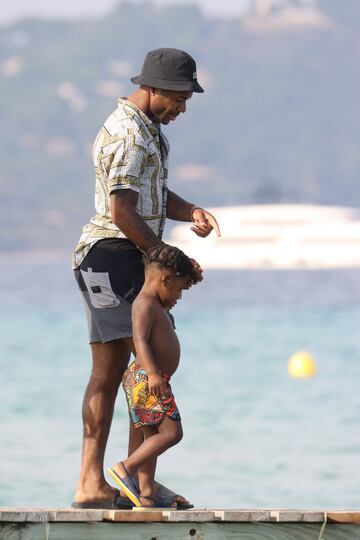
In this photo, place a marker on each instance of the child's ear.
(165, 278)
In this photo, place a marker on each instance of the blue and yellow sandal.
(127, 483)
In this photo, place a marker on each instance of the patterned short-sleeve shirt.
(129, 153)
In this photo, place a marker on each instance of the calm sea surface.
(254, 437)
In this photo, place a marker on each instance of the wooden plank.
(36, 515)
(189, 516)
(75, 515)
(176, 531)
(128, 516)
(253, 515)
(296, 516)
(24, 514)
(340, 516)
(244, 515)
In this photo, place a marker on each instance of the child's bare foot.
(163, 503)
(123, 469)
(147, 501)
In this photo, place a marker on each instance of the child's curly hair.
(165, 256)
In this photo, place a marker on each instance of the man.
(132, 201)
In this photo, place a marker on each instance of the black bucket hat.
(169, 69)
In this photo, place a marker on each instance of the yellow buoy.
(301, 365)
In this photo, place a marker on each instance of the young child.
(151, 402)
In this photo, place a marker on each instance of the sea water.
(253, 436)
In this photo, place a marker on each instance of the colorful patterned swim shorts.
(145, 408)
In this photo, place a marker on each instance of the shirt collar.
(153, 126)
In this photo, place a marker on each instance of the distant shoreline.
(37, 256)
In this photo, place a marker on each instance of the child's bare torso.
(161, 336)
(164, 342)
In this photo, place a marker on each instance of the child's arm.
(143, 317)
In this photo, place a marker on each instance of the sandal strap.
(134, 479)
(125, 469)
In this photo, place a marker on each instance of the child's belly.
(165, 347)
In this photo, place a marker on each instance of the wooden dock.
(197, 524)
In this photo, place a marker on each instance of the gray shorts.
(110, 277)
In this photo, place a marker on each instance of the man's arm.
(125, 216)
(181, 210)
(177, 208)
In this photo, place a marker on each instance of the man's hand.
(157, 385)
(204, 223)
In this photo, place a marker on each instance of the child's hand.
(157, 385)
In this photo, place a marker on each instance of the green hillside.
(278, 122)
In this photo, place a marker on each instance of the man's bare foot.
(99, 493)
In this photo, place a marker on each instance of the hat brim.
(192, 86)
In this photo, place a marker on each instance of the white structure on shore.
(276, 236)
(267, 16)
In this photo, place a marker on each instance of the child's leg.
(146, 472)
(169, 433)
(146, 476)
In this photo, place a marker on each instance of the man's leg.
(109, 363)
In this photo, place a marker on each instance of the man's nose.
(182, 107)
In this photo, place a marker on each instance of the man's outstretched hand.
(204, 223)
